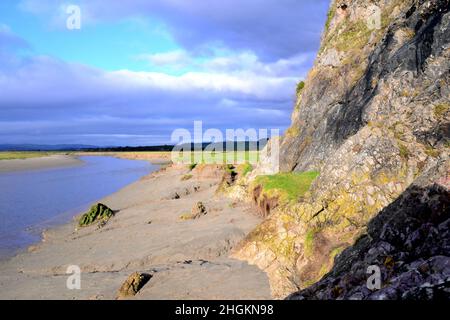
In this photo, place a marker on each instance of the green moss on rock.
(97, 212)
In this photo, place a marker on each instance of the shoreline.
(46, 162)
(39, 229)
(187, 259)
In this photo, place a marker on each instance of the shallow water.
(31, 201)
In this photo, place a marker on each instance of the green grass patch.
(288, 186)
(441, 109)
(404, 152)
(245, 169)
(355, 36)
(330, 16)
(309, 243)
(12, 155)
(186, 177)
(217, 157)
(300, 87)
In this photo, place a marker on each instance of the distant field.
(231, 157)
(11, 155)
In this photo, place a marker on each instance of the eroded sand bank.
(54, 161)
(187, 259)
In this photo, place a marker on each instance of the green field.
(11, 155)
(231, 157)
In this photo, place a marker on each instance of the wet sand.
(187, 259)
(54, 161)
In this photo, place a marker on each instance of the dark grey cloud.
(270, 46)
(50, 101)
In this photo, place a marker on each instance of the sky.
(137, 70)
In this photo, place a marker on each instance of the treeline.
(225, 146)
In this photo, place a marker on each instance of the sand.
(187, 259)
(54, 161)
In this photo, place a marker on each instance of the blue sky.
(137, 70)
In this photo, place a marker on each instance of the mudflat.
(186, 258)
(53, 161)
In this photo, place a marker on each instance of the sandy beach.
(54, 161)
(187, 259)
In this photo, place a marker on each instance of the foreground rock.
(133, 284)
(98, 212)
(409, 241)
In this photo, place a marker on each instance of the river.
(31, 201)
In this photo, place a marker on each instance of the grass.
(356, 36)
(441, 109)
(293, 131)
(12, 155)
(288, 186)
(309, 243)
(245, 169)
(190, 158)
(216, 157)
(186, 216)
(186, 177)
(330, 16)
(404, 152)
(300, 87)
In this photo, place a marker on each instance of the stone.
(198, 210)
(133, 284)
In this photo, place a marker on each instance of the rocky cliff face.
(409, 241)
(372, 118)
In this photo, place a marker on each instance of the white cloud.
(177, 58)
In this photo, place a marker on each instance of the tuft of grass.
(309, 243)
(404, 152)
(431, 152)
(330, 15)
(186, 177)
(245, 169)
(440, 110)
(192, 166)
(355, 36)
(288, 186)
(186, 217)
(293, 131)
(300, 87)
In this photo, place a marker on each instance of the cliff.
(373, 121)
